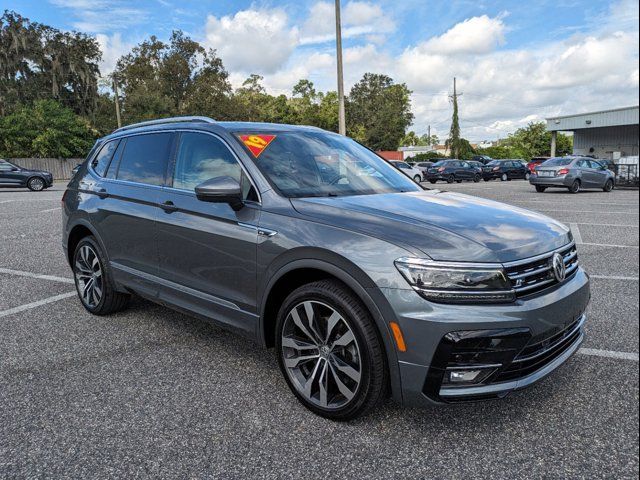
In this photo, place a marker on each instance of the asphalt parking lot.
(153, 393)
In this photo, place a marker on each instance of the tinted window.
(595, 165)
(558, 162)
(203, 157)
(145, 157)
(582, 164)
(101, 161)
(5, 167)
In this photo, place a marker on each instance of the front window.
(320, 164)
(493, 163)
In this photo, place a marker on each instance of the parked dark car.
(476, 164)
(452, 171)
(535, 161)
(505, 170)
(483, 159)
(573, 173)
(306, 241)
(13, 176)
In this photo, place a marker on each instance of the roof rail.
(162, 121)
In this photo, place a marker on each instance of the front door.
(207, 251)
(10, 175)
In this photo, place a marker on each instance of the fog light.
(471, 376)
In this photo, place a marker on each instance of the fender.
(80, 221)
(354, 278)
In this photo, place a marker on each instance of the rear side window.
(101, 161)
(558, 162)
(145, 157)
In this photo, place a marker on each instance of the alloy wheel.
(36, 184)
(321, 355)
(88, 273)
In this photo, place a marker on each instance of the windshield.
(558, 162)
(321, 164)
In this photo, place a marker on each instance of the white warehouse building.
(608, 134)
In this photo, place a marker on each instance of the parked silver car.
(574, 173)
(408, 170)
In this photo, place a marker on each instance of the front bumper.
(425, 324)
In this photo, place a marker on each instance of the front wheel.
(329, 351)
(527, 176)
(608, 186)
(433, 181)
(417, 179)
(35, 184)
(504, 177)
(451, 178)
(476, 178)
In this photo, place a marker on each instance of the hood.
(444, 226)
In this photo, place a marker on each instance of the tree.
(429, 140)
(379, 111)
(45, 129)
(535, 141)
(454, 143)
(41, 62)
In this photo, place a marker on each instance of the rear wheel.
(575, 186)
(417, 179)
(451, 178)
(432, 181)
(35, 184)
(608, 186)
(94, 281)
(487, 179)
(329, 351)
(540, 189)
(527, 176)
(477, 178)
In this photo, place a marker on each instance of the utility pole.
(115, 92)
(342, 129)
(429, 134)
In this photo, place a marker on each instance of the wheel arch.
(77, 232)
(297, 272)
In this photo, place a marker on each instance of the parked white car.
(408, 170)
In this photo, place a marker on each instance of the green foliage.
(379, 111)
(45, 129)
(535, 141)
(426, 157)
(41, 62)
(501, 151)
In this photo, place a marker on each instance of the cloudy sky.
(515, 61)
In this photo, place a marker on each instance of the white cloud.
(112, 49)
(253, 41)
(95, 16)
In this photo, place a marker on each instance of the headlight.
(457, 282)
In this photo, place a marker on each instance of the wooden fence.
(59, 167)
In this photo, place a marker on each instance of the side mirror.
(221, 190)
(15, 169)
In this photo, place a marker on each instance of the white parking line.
(564, 210)
(614, 277)
(606, 225)
(6, 201)
(37, 304)
(609, 245)
(50, 210)
(576, 232)
(609, 354)
(39, 276)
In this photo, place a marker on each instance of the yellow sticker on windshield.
(257, 143)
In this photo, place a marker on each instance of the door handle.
(102, 193)
(168, 206)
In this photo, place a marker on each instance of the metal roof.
(605, 118)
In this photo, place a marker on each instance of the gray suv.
(305, 241)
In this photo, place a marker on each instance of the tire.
(451, 178)
(362, 353)
(476, 178)
(487, 179)
(608, 186)
(433, 181)
(35, 184)
(417, 179)
(527, 176)
(94, 281)
(540, 189)
(504, 177)
(575, 187)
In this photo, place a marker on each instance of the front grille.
(532, 275)
(539, 353)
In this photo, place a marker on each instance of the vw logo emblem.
(559, 269)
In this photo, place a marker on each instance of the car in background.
(14, 176)
(452, 171)
(483, 159)
(477, 164)
(505, 170)
(535, 161)
(573, 173)
(408, 170)
(75, 169)
(423, 167)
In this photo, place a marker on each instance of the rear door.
(128, 207)
(207, 251)
(10, 175)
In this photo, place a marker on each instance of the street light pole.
(342, 129)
